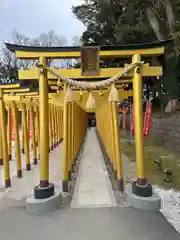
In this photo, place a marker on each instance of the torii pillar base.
(44, 200)
(150, 203)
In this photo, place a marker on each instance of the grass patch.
(152, 151)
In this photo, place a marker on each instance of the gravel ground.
(170, 198)
(170, 206)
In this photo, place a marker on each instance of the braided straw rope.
(88, 86)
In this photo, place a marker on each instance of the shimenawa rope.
(82, 85)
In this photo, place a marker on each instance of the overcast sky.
(32, 17)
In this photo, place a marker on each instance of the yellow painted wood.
(111, 54)
(9, 128)
(138, 120)
(24, 90)
(12, 98)
(17, 140)
(4, 141)
(5, 86)
(58, 99)
(44, 127)
(50, 82)
(53, 83)
(34, 94)
(54, 87)
(76, 73)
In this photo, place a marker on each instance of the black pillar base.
(69, 176)
(10, 157)
(22, 150)
(35, 161)
(28, 167)
(45, 192)
(76, 158)
(110, 167)
(142, 190)
(19, 173)
(1, 162)
(65, 186)
(114, 174)
(106, 159)
(7, 183)
(74, 167)
(120, 185)
(52, 148)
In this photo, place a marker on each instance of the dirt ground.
(162, 163)
(165, 129)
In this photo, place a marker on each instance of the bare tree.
(8, 58)
(49, 39)
(77, 41)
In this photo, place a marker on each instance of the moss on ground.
(154, 151)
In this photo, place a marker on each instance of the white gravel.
(170, 206)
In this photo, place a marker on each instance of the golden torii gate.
(6, 145)
(22, 100)
(9, 101)
(89, 71)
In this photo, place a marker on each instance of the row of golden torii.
(73, 114)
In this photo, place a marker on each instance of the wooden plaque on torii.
(90, 61)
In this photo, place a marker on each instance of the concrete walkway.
(85, 224)
(93, 187)
(21, 188)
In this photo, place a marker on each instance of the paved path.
(21, 188)
(116, 223)
(93, 187)
(85, 224)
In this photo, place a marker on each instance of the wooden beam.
(10, 86)
(31, 94)
(12, 98)
(100, 100)
(121, 81)
(103, 54)
(76, 73)
(51, 83)
(54, 87)
(21, 90)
